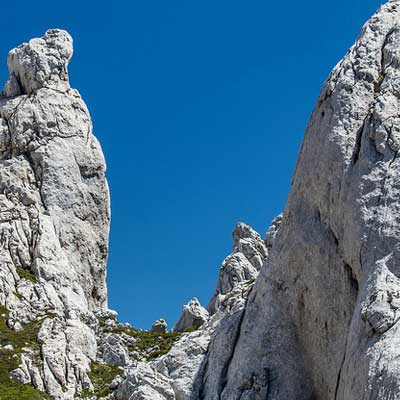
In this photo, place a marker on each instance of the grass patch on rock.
(101, 376)
(150, 344)
(26, 274)
(191, 329)
(10, 359)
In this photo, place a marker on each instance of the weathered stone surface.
(159, 326)
(243, 264)
(273, 231)
(54, 215)
(184, 363)
(248, 242)
(144, 383)
(321, 321)
(114, 350)
(67, 349)
(52, 175)
(192, 317)
(40, 63)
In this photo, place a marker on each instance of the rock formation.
(159, 326)
(322, 317)
(193, 316)
(309, 313)
(54, 216)
(192, 365)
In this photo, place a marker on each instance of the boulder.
(159, 326)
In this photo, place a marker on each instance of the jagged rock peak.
(42, 62)
(193, 316)
(46, 131)
(159, 326)
(273, 231)
(243, 264)
(248, 241)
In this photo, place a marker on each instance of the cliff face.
(323, 315)
(309, 313)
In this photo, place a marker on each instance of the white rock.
(159, 326)
(273, 231)
(54, 214)
(114, 350)
(193, 316)
(248, 255)
(322, 319)
(40, 63)
(144, 383)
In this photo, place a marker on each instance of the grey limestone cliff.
(322, 320)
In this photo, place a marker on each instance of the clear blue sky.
(200, 107)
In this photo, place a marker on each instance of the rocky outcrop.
(273, 231)
(322, 319)
(144, 383)
(159, 326)
(192, 366)
(243, 264)
(193, 316)
(54, 215)
(53, 172)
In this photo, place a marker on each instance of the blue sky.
(200, 108)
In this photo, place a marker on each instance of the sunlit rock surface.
(54, 214)
(309, 313)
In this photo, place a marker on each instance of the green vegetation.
(101, 376)
(151, 344)
(26, 274)
(191, 329)
(10, 359)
